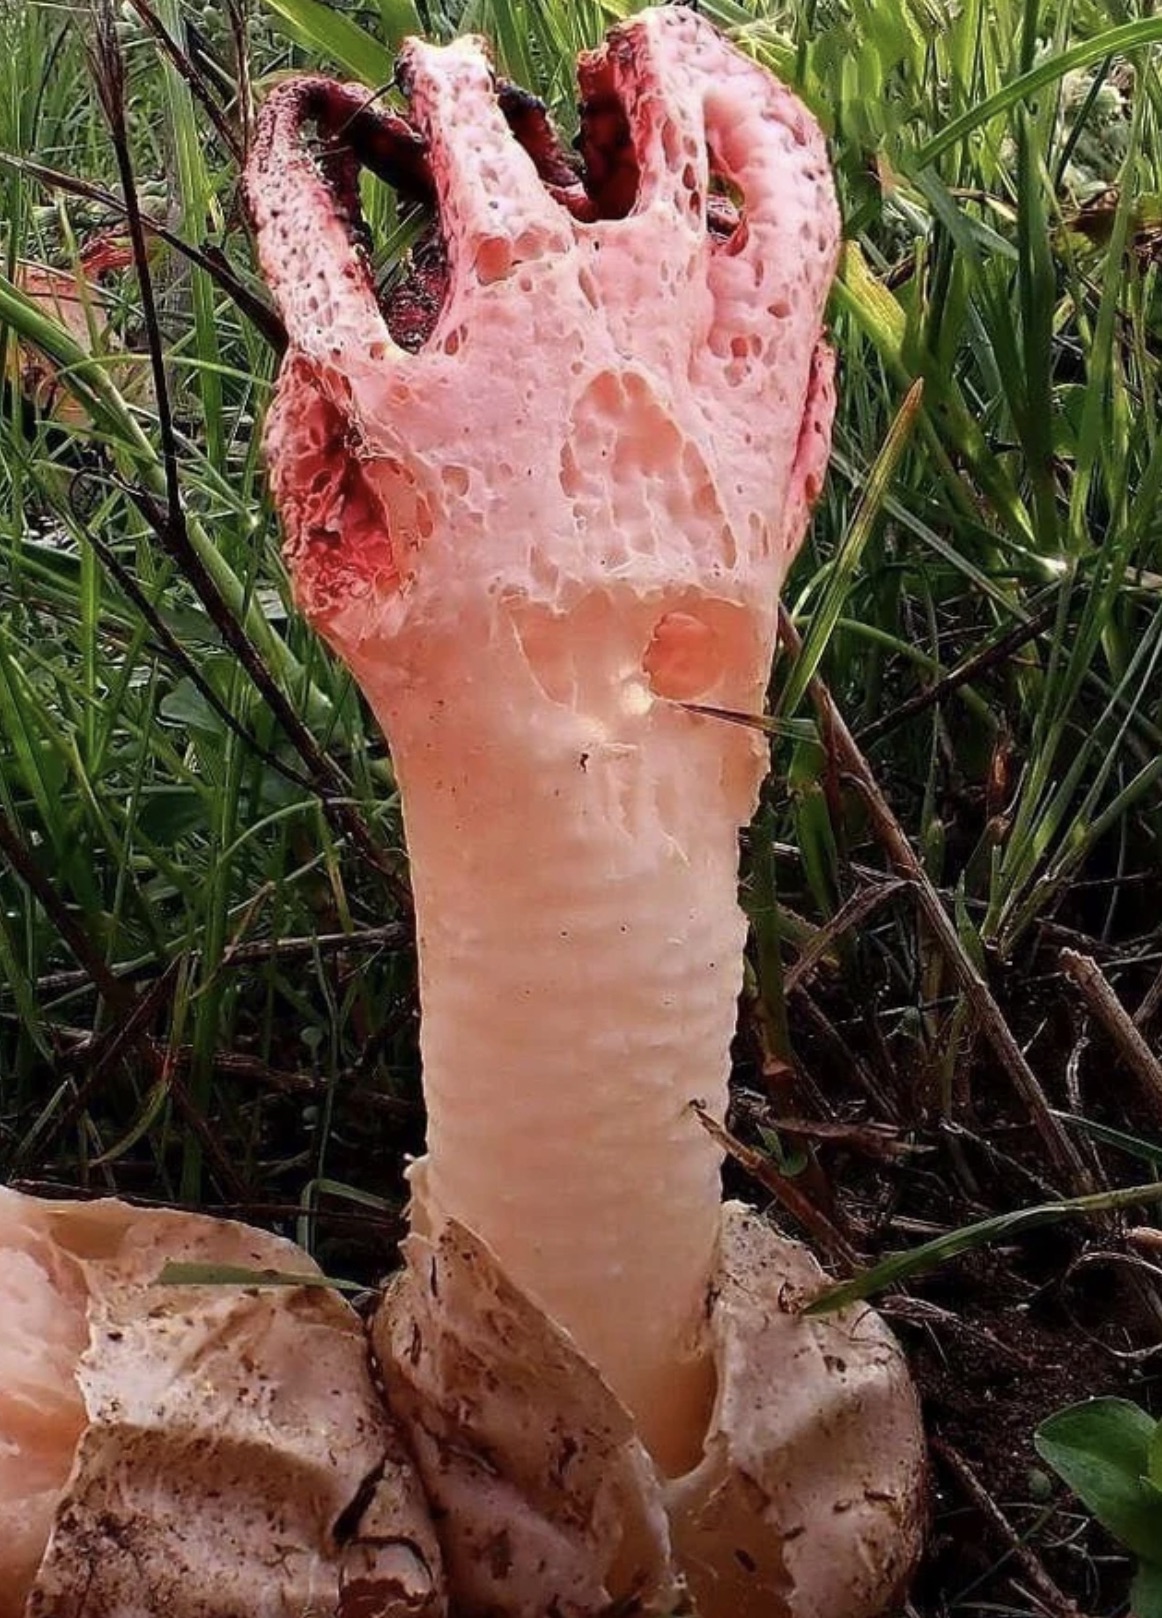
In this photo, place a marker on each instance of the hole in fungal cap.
(725, 212)
(684, 657)
(493, 259)
(415, 291)
(612, 175)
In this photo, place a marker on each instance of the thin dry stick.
(210, 259)
(362, 1222)
(107, 1049)
(1055, 1599)
(186, 661)
(1151, 1000)
(840, 1053)
(28, 868)
(243, 97)
(843, 748)
(988, 657)
(850, 915)
(77, 1043)
(394, 935)
(218, 1159)
(813, 1219)
(1098, 993)
(185, 68)
(168, 518)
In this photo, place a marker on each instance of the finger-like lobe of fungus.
(560, 519)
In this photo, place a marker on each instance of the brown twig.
(104, 1050)
(1098, 993)
(244, 98)
(979, 663)
(188, 664)
(220, 1166)
(184, 67)
(168, 520)
(77, 1045)
(27, 867)
(1054, 1599)
(932, 1317)
(357, 1223)
(1151, 1000)
(842, 746)
(1008, 1168)
(850, 914)
(883, 1142)
(107, 1048)
(785, 1191)
(394, 935)
(209, 259)
(840, 1052)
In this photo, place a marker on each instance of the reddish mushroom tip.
(337, 536)
(671, 118)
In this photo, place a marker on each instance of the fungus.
(204, 1452)
(555, 512)
(74, 298)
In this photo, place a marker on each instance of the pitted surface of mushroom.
(562, 512)
(200, 1451)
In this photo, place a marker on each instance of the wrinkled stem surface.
(580, 945)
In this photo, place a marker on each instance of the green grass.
(206, 980)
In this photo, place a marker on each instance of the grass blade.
(930, 1255)
(323, 31)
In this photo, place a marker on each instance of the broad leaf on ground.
(1101, 1448)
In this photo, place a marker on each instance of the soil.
(988, 1376)
(1001, 1337)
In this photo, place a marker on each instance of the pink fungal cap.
(669, 294)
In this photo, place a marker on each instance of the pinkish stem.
(580, 951)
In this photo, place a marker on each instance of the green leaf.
(1101, 1449)
(726, 13)
(815, 838)
(142, 1124)
(1154, 1458)
(1146, 1151)
(967, 930)
(929, 1255)
(170, 813)
(1146, 1591)
(322, 31)
(237, 1275)
(349, 1193)
(185, 705)
(1114, 42)
(840, 581)
(790, 1161)
(399, 18)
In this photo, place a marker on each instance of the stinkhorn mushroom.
(206, 1452)
(542, 527)
(75, 300)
